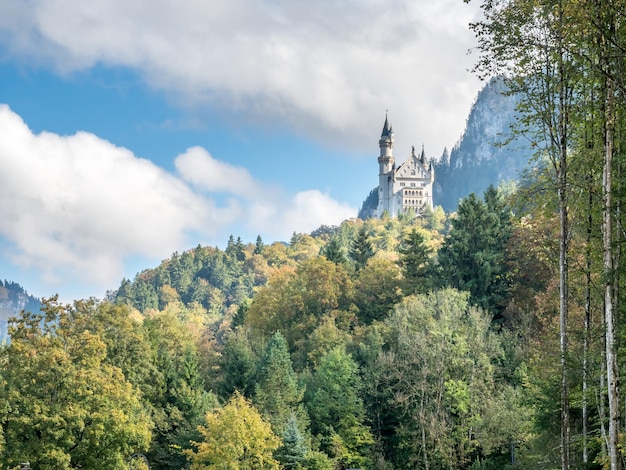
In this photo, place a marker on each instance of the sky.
(133, 129)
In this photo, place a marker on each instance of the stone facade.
(408, 186)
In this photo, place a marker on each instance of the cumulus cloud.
(261, 208)
(75, 208)
(329, 69)
(197, 166)
(80, 204)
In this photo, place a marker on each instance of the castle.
(409, 186)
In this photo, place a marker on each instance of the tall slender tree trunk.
(562, 178)
(607, 49)
(612, 373)
(587, 326)
(563, 315)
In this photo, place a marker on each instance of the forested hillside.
(395, 343)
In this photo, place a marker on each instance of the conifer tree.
(362, 249)
(333, 251)
(259, 246)
(337, 410)
(278, 393)
(473, 254)
(237, 364)
(415, 263)
(293, 451)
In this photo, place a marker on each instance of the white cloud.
(198, 167)
(80, 205)
(309, 209)
(330, 68)
(261, 208)
(76, 208)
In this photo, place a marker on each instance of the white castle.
(409, 186)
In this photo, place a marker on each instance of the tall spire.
(387, 129)
(386, 144)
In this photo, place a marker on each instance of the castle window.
(401, 184)
(413, 185)
(412, 172)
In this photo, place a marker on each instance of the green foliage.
(259, 246)
(295, 303)
(180, 400)
(362, 249)
(377, 289)
(235, 437)
(333, 251)
(473, 255)
(316, 460)
(238, 365)
(342, 363)
(63, 405)
(208, 277)
(278, 393)
(292, 453)
(415, 262)
(326, 337)
(440, 368)
(337, 410)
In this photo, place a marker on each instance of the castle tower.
(386, 165)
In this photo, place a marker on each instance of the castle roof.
(387, 129)
(413, 166)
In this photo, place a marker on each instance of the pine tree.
(237, 364)
(337, 410)
(293, 451)
(473, 255)
(333, 251)
(361, 250)
(415, 263)
(259, 246)
(278, 393)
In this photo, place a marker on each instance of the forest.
(491, 337)
(419, 342)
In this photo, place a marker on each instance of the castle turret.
(386, 145)
(386, 166)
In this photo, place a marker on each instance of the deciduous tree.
(64, 405)
(236, 437)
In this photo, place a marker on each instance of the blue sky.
(133, 129)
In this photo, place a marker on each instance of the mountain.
(14, 299)
(487, 152)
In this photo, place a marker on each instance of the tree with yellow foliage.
(236, 437)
